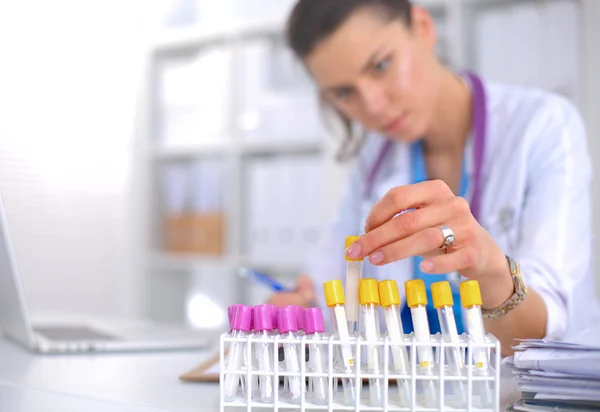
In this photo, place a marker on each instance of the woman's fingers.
(287, 298)
(446, 210)
(406, 197)
(306, 288)
(303, 295)
(425, 242)
(451, 262)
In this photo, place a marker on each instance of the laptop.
(76, 335)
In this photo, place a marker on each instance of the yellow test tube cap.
(442, 294)
(470, 295)
(415, 292)
(334, 292)
(349, 241)
(368, 292)
(388, 293)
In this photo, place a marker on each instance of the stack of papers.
(558, 376)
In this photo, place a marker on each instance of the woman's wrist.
(497, 287)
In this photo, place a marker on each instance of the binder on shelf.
(193, 220)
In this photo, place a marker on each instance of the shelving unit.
(160, 270)
(234, 150)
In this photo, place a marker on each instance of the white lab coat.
(536, 202)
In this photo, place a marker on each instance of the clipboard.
(207, 371)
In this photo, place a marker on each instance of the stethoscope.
(479, 127)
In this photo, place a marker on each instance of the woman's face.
(380, 73)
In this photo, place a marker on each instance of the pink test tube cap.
(262, 318)
(300, 317)
(313, 321)
(230, 310)
(241, 318)
(287, 319)
(274, 310)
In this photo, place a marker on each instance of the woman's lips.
(395, 125)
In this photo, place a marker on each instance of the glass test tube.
(240, 325)
(313, 327)
(416, 299)
(353, 275)
(274, 309)
(262, 321)
(368, 295)
(470, 296)
(287, 323)
(390, 302)
(334, 297)
(300, 319)
(443, 302)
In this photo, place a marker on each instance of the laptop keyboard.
(73, 333)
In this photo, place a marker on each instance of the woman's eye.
(343, 94)
(382, 65)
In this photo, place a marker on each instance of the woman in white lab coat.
(491, 175)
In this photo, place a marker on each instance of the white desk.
(145, 380)
(116, 382)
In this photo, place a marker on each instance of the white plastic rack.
(246, 396)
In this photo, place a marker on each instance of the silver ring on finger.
(449, 238)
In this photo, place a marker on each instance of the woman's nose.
(373, 101)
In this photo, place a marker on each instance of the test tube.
(274, 309)
(287, 324)
(300, 319)
(390, 302)
(263, 327)
(334, 297)
(416, 299)
(353, 275)
(443, 302)
(368, 295)
(240, 325)
(313, 327)
(470, 296)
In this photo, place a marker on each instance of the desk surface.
(116, 382)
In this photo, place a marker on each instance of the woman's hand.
(391, 236)
(303, 294)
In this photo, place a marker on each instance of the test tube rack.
(443, 378)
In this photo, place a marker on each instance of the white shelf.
(209, 34)
(225, 146)
(209, 147)
(184, 261)
(433, 4)
(187, 261)
(281, 146)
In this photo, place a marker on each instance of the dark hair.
(312, 21)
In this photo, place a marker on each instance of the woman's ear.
(423, 27)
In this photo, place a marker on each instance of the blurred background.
(150, 148)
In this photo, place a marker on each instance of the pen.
(263, 279)
(268, 281)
